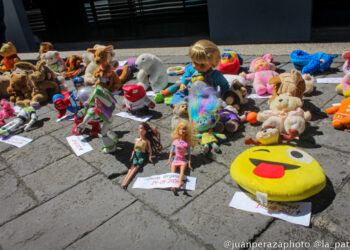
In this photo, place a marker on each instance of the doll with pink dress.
(183, 140)
(262, 70)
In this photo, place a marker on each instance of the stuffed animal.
(344, 87)
(310, 82)
(6, 111)
(286, 116)
(39, 92)
(341, 118)
(9, 53)
(4, 84)
(152, 72)
(230, 62)
(44, 47)
(311, 63)
(54, 61)
(180, 113)
(236, 95)
(136, 100)
(129, 64)
(291, 83)
(74, 66)
(262, 71)
(104, 73)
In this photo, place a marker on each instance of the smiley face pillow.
(283, 172)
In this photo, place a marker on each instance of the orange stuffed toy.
(9, 52)
(341, 118)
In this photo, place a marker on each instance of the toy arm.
(149, 150)
(220, 136)
(332, 110)
(222, 82)
(250, 140)
(33, 119)
(312, 67)
(250, 77)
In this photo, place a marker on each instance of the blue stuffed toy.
(311, 63)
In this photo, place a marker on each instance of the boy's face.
(202, 67)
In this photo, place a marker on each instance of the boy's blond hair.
(205, 51)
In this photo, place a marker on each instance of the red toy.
(135, 99)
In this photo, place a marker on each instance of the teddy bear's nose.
(280, 100)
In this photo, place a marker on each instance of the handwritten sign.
(16, 140)
(329, 80)
(127, 115)
(79, 144)
(293, 212)
(165, 181)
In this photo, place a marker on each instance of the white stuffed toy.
(54, 61)
(152, 72)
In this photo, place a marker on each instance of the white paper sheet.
(66, 118)
(151, 93)
(79, 144)
(127, 115)
(329, 80)
(255, 96)
(16, 140)
(293, 212)
(164, 181)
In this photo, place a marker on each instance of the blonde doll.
(183, 140)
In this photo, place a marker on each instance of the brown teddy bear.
(40, 86)
(74, 66)
(4, 84)
(9, 53)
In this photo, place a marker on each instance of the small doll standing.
(183, 140)
(149, 140)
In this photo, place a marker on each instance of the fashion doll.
(149, 140)
(183, 140)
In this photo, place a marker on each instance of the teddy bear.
(9, 53)
(54, 61)
(74, 66)
(40, 87)
(44, 47)
(262, 70)
(286, 116)
(341, 116)
(4, 84)
(180, 113)
(344, 87)
(152, 72)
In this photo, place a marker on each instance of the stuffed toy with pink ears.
(344, 87)
(6, 111)
(262, 70)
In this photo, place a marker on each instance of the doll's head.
(151, 134)
(262, 63)
(184, 130)
(204, 55)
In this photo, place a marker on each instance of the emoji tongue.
(268, 170)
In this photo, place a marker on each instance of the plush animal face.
(8, 49)
(102, 55)
(286, 103)
(205, 122)
(73, 62)
(145, 61)
(19, 82)
(45, 47)
(181, 109)
(133, 93)
(326, 61)
(268, 136)
(51, 57)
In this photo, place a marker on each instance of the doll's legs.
(206, 148)
(181, 177)
(109, 139)
(11, 126)
(131, 172)
(215, 147)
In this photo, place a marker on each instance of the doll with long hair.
(149, 140)
(183, 139)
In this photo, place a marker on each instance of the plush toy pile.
(204, 100)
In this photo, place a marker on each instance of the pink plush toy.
(6, 111)
(262, 70)
(344, 87)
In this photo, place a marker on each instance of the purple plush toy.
(131, 63)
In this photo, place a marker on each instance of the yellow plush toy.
(283, 172)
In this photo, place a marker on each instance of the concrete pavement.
(52, 199)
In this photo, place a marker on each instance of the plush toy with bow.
(344, 87)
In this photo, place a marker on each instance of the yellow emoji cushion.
(283, 172)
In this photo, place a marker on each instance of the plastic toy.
(341, 118)
(180, 113)
(262, 71)
(65, 101)
(152, 72)
(311, 64)
(104, 106)
(251, 117)
(282, 172)
(104, 73)
(230, 62)
(44, 47)
(26, 115)
(183, 140)
(6, 111)
(136, 100)
(9, 53)
(74, 66)
(54, 61)
(344, 87)
(175, 71)
(149, 140)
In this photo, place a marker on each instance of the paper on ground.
(16, 140)
(117, 92)
(127, 115)
(165, 181)
(329, 80)
(293, 212)
(79, 144)
(66, 118)
(151, 93)
(255, 96)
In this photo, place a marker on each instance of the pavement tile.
(136, 228)
(66, 218)
(2, 165)
(57, 177)
(25, 160)
(13, 196)
(336, 218)
(216, 222)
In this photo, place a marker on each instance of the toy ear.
(109, 48)
(275, 80)
(67, 62)
(57, 54)
(91, 50)
(10, 43)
